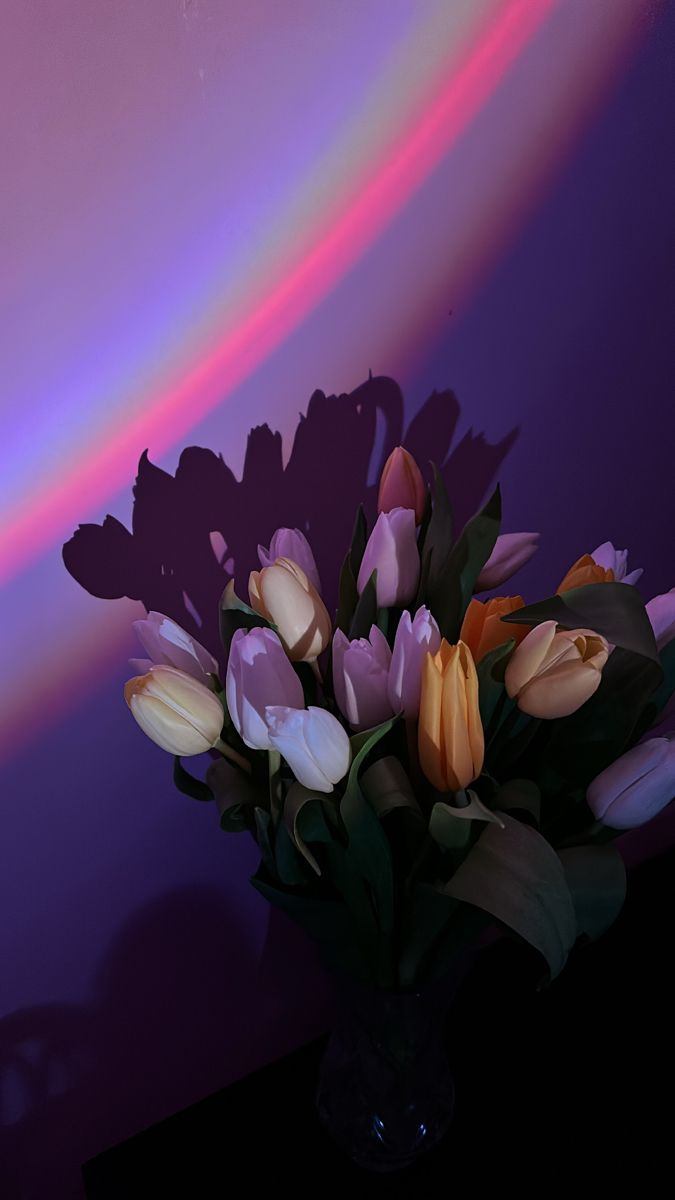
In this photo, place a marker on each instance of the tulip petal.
(528, 657)
(560, 692)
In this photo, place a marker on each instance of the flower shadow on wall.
(191, 532)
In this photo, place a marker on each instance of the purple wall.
(138, 970)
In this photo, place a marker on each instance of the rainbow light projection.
(435, 72)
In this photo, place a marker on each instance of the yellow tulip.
(177, 712)
(553, 672)
(483, 629)
(450, 734)
(585, 570)
(283, 595)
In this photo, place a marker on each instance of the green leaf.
(359, 541)
(449, 825)
(235, 796)
(491, 690)
(450, 593)
(666, 688)
(615, 610)
(290, 867)
(187, 784)
(435, 538)
(517, 877)
(427, 915)
(305, 821)
(235, 614)
(348, 596)
(386, 787)
(365, 613)
(596, 877)
(368, 849)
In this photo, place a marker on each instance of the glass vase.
(385, 1092)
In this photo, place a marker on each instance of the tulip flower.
(392, 551)
(176, 711)
(402, 485)
(258, 674)
(313, 742)
(450, 734)
(661, 613)
(511, 552)
(553, 672)
(617, 561)
(360, 678)
(168, 644)
(283, 594)
(637, 786)
(413, 641)
(483, 629)
(291, 543)
(584, 571)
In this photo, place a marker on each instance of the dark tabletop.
(573, 1083)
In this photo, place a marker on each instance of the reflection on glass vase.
(385, 1091)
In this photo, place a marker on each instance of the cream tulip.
(176, 711)
(283, 594)
(554, 671)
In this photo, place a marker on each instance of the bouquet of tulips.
(426, 761)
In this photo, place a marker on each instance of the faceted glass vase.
(385, 1091)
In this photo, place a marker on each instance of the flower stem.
(233, 755)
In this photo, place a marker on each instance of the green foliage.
(449, 591)
(187, 784)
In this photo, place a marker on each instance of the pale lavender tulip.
(617, 561)
(511, 552)
(361, 677)
(258, 674)
(392, 551)
(636, 787)
(414, 640)
(291, 543)
(313, 742)
(661, 613)
(166, 643)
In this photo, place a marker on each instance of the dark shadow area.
(167, 560)
(568, 1083)
(175, 1010)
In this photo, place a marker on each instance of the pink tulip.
(313, 742)
(511, 552)
(291, 543)
(360, 678)
(637, 786)
(617, 561)
(258, 674)
(392, 551)
(414, 640)
(168, 644)
(402, 485)
(661, 613)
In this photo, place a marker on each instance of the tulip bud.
(258, 674)
(450, 734)
(291, 543)
(584, 571)
(483, 629)
(392, 551)
(176, 711)
(360, 678)
(167, 643)
(553, 672)
(636, 787)
(313, 742)
(661, 613)
(414, 640)
(283, 594)
(511, 552)
(402, 485)
(617, 561)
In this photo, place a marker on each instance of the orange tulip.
(450, 734)
(483, 629)
(585, 570)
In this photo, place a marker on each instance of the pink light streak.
(51, 513)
